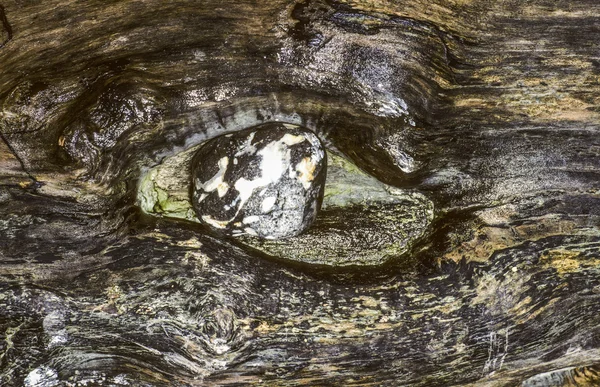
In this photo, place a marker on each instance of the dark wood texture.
(488, 108)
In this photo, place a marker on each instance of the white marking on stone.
(222, 189)
(290, 139)
(245, 188)
(275, 161)
(216, 182)
(268, 204)
(202, 197)
(247, 147)
(251, 219)
(214, 222)
(235, 161)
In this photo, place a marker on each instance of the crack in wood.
(7, 27)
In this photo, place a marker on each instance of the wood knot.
(221, 332)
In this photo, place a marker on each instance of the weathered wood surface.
(489, 108)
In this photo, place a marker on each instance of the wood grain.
(493, 103)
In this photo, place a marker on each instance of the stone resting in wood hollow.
(453, 238)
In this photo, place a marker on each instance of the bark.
(485, 110)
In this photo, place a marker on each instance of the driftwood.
(488, 109)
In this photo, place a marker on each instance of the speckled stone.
(266, 181)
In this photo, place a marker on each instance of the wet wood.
(487, 108)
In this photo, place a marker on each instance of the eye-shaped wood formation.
(485, 111)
